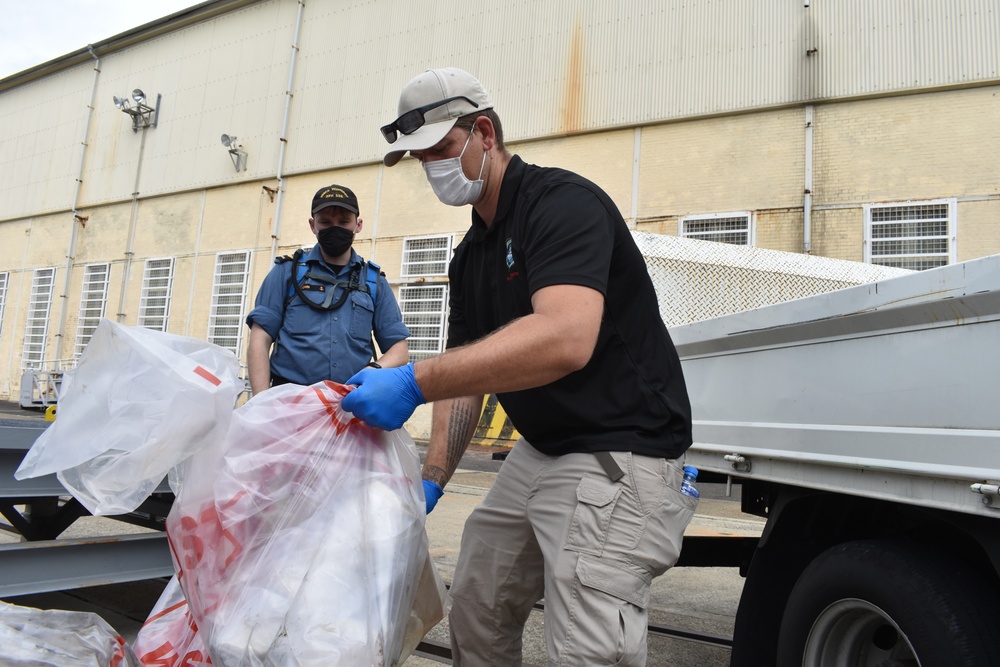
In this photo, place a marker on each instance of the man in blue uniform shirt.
(317, 308)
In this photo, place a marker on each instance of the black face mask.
(335, 241)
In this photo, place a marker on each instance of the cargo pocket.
(615, 580)
(608, 614)
(596, 498)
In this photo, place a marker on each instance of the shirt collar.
(508, 190)
(315, 256)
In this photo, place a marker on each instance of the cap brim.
(335, 203)
(425, 137)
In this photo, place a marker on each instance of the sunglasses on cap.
(413, 120)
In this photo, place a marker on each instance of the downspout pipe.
(807, 197)
(378, 208)
(77, 220)
(132, 223)
(276, 230)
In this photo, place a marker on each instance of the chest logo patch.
(511, 272)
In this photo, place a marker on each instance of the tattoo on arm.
(461, 422)
(436, 475)
(458, 432)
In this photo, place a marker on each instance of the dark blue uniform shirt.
(312, 345)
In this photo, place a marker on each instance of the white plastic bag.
(138, 403)
(38, 638)
(300, 541)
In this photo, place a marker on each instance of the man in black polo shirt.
(553, 310)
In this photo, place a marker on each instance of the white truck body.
(856, 407)
(888, 390)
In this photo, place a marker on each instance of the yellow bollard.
(50, 413)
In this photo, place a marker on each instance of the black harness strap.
(353, 283)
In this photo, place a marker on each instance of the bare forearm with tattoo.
(454, 423)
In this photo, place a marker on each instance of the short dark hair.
(466, 122)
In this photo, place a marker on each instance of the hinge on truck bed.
(740, 462)
(989, 491)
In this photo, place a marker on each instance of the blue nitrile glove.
(432, 494)
(385, 397)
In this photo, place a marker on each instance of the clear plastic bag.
(300, 540)
(138, 403)
(38, 638)
(170, 635)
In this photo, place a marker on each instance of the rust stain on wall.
(573, 102)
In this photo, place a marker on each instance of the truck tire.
(889, 603)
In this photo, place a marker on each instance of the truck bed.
(887, 390)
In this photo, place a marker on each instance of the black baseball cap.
(334, 195)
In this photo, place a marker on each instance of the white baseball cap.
(429, 106)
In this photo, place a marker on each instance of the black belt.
(607, 462)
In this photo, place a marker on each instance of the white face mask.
(449, 182)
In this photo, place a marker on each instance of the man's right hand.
(385, 398)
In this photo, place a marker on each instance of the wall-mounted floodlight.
(236, 152)
(142, 114)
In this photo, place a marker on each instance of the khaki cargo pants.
(558, 527)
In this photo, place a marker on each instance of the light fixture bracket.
(142, 114)
(236, 152)
(239, 158)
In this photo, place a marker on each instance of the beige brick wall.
(735, 163)
(978, 228)
(780, 229)
(605, 158)
(408, 206)
(915, 147)
(838, 233)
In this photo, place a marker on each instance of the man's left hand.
(384, 398)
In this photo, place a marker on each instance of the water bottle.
(687, 486)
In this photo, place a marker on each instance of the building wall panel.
(978, 234)
(555, 68)
(41, 140)
(715, 89)
(167, 226)
(907, 148)
(875, 47)
(839, 233)
(409, 208)
(225, 75)
(103, 237)
(723, 164)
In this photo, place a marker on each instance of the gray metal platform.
(59, 565)
(38, 511)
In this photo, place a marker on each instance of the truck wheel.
(888, 603)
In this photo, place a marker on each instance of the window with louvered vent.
(229, 292)
(913, 236)
(734, 228)
(157, 283)
(92, 303)
(425, 305)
